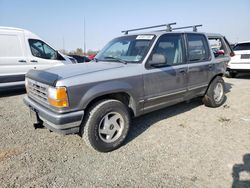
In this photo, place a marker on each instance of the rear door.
(13, 58)
(200, 65)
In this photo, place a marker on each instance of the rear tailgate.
(241, 57)
(242, 53)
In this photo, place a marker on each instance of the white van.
(20, 51)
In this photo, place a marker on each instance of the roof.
(26, 32)
(213, 35)
(12, 28)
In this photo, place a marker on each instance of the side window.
(42, 50)
(169, 46)
(10, 46)
(218, 47)
(198, 49)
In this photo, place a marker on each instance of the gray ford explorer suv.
(134, 74)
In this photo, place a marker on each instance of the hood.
(81, 69)
(52, 75)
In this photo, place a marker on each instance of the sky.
(61, 23)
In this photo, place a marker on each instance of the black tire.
(91, 131)
(210, 99)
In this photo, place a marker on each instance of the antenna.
(84, 36)
(63, 43)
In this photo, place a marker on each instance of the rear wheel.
(106, 125)
(215, 95)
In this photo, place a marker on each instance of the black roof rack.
(168, 28)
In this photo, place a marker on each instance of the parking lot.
(186, 145)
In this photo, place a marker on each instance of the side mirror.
(158, 59)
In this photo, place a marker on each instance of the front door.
(42, 56)
(166, 83)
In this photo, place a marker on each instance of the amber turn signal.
(58, 97)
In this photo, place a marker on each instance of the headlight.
(26, 84)
(58, 97)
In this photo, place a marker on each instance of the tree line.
(78, 51)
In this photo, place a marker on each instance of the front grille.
(37, 90)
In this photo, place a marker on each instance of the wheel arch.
(118, 91)
(215, 76)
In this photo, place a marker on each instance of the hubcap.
(111, 127)
(218, 92)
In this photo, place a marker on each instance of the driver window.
(170, 46)
(42, 50)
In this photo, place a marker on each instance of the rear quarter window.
(218, 47)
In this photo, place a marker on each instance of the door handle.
(183, 71)
(22, 61)
(33, 61)
(210, 66)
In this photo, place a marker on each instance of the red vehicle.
(92, 56)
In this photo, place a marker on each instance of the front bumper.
(67, 123)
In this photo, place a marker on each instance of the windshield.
(129, 49)
(242, 46)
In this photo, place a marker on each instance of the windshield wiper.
(116, 59)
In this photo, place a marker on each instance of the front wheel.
(215, 95)
(106, 125)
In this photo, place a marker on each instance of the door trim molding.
(12, 78)
(166, 95)
(197, 87)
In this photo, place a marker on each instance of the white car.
(20, 51)
(240, 63)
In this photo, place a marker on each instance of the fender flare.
(111, 87)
